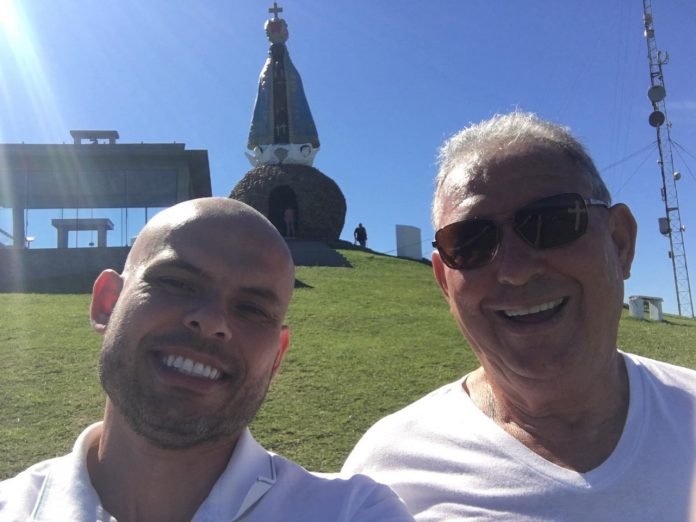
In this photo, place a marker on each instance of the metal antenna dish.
(657, 93)
(663, 224)
(656, 118)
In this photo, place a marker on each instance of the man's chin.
(178, 439)
(174, 426)
(177, 432)
(547, 368)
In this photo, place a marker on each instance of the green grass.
(366, 341)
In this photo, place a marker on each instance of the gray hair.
(475, 147)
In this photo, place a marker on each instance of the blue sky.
(387, 82)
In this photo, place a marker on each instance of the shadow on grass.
(671, 323)
(345, 245)
(300, 284)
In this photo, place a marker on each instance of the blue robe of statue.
(300, 124)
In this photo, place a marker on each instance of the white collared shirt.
(256, 486)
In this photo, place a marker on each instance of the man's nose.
(517, 262)
(209, 319)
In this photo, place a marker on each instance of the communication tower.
(670, 225)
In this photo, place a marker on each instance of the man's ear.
(105, 293)
(624, 230)
(283, 345)
(439, 273)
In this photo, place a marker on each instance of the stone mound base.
(317, 201)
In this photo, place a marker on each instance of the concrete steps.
(315, 253)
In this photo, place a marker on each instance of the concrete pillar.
(101, 236)
(62, 237)
(19, 241)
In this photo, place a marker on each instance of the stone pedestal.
(318, 203)
(408, 242)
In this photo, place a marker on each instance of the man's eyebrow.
(257, 291)
(264, 293)
(178, 264)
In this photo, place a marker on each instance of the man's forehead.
(210, 242)
(170, 259)
(210, 232)
(518, 160)
(511, 180)
(465, 188)
(252, 272)
(223, 248)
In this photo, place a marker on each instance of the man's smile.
(191, 368)
(533, 310)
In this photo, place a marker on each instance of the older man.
(193, 333)
(556, 424)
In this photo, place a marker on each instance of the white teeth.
(188, 367)
(534, 309)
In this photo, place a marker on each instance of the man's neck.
(576, 427)
(137, 481)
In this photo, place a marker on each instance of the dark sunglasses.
(546, 223)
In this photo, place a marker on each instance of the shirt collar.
(249, 475)
(68, 490)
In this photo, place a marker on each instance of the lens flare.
(23, 74)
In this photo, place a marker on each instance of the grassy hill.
(366, 341)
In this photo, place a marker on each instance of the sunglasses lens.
(467, 244)
(552, 222)
(547, 223)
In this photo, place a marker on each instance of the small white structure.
(645, 307)
(408, 242)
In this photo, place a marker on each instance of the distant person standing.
(289, 216)
(360, 235)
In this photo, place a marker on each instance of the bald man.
(193, 333)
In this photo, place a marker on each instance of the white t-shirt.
(255, 486)
(449, 461)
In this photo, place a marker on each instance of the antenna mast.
(670, 225)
